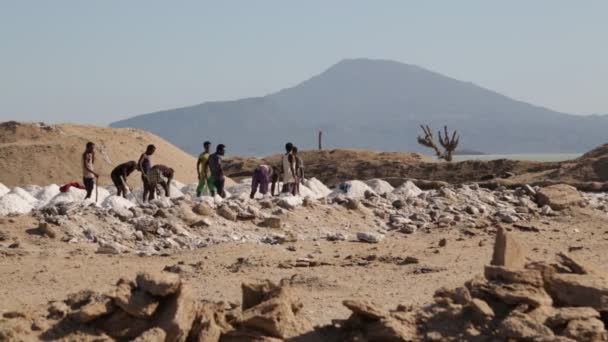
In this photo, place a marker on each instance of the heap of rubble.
(184, 222)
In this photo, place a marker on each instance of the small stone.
(369, 237)
(46, 230)
(399, 204)
(352, 204)
(152, 335)
(203, 209)
(336, 237)
(227, 213)
(57, 310)
(443, 242)
(409, 229)
(271, 222)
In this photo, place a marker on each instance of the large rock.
(176, 314)
(507, 251)
(559, 197)
(579, 290)
(121, 325)
(158, 283)
(210, 323)
(561, 316)
(591, 329)
(136, 302)
(522, 327)
(276, 316)
(515, 294)
(96, 307)
(390, 329)
(365, 309)
(507, 275)
(575, 265)
(482, 312)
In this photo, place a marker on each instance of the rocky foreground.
(513, 300)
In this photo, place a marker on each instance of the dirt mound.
(334, 166)
(36, 153)
(590, 167)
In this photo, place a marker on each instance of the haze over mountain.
(379, 105)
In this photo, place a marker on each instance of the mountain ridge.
(373, 104)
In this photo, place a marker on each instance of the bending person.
(119, 177)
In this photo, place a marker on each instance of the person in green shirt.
(204, 177)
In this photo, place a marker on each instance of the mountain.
(378, 105)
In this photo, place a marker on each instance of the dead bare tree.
(448, 143)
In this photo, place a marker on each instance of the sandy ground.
(41, 269)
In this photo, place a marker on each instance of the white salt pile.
(47, 194)
(177, 184)
(175, 192)
(380, 186)
(12, 203)
(33, 190)
(25, 195)
(4, 190)
(190, 189)
(408, 189)
(317, 188)
(117, 202)
(72, 195)
(102, 194)
(352, 189)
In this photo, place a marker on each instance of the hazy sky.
(99, 61)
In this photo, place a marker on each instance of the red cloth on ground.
(66, 187)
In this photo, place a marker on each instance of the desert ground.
(380, 247)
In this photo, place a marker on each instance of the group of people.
(291, 169)
(209, 170)
(151, 175)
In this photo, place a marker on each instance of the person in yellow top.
(204, 177)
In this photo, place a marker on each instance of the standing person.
(217, 172)
(88, 170)
(289, 170)
(203, 172)
(119, 177)
(262, 176)
(145, 165)
(299, 169)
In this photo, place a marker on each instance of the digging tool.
(126, 185)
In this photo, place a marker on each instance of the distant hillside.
(379, 105)
(35, 153)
